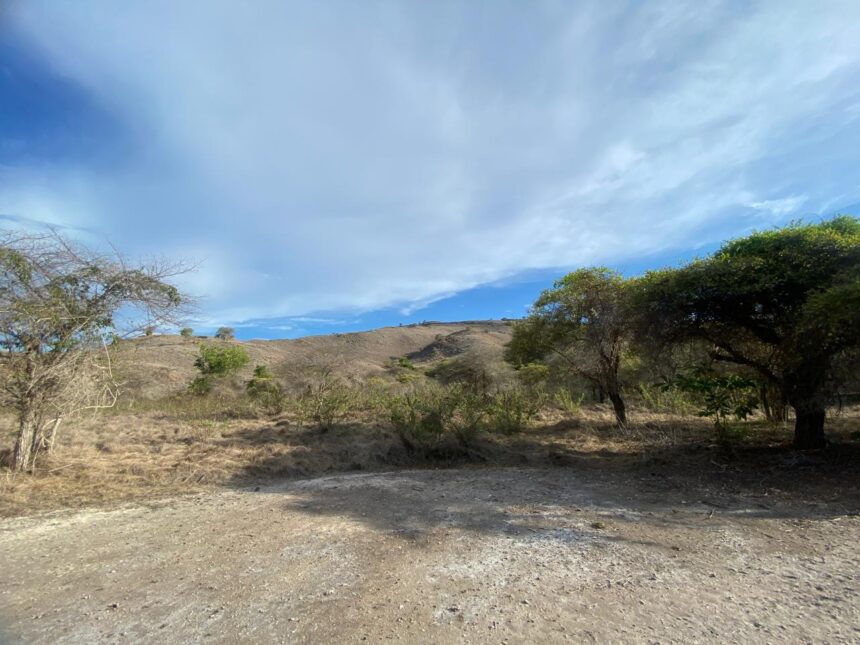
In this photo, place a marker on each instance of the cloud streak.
(352, 156)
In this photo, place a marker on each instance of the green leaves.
(722, 396)
(220, 361)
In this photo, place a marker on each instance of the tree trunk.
(51, 437)
(619, 407)
(773, 404)
(809, 428)
(23, 454)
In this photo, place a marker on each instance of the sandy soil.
(469, 555)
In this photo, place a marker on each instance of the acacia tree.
(584, 323)
(225, 333)
(58, 303)
(784, 303)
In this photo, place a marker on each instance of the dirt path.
(485, 555)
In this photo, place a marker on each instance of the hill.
(161, 365)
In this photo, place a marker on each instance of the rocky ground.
(469, 555)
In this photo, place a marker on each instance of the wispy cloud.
(780, 207)
(351, 156)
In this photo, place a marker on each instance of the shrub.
(201, 385)
(405, 363)
(216, 362)
(148, 330)
(265, 391)
(666, 397)
(721, 396)
(466, 372)
(186, 332)
(566, 402)
(470, 412)
(421, 416)
(326, 401)
(220, 361)
(533, 374)
(425, 417)
(225, 333)
(512, 409)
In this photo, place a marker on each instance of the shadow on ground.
(525, 484)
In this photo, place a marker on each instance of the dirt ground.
(582, 552)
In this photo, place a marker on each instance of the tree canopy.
(783, 303)
(584, 323)
(58, 304)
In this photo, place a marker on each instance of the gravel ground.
(470, 555)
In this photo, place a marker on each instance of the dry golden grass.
(189, 445)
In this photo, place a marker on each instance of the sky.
(331, 166)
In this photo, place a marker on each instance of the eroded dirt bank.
(470, 555)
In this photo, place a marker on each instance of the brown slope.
(162, 365)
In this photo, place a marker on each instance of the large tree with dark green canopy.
(784, 303)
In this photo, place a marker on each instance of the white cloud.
(780, 207)
(325, 156)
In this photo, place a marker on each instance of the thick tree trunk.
(22, 456)
(809, 428)
(619, 407)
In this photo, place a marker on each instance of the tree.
(583, 322)
(58, 303)
(149, 330)
(225, 333)
(216, 362)
(186, 332)
(784, 303)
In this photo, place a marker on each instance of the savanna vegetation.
(754, 344)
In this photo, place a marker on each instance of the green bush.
(425, 417)
(326, 401)
(220, 361)
(721, 396)
(566, 402)
(265, 391)
(216, 362)
(186, 332)
(512, 409)
(201, 385)
(533, 374)
(422, 415)
(667, 397)
(470, 413)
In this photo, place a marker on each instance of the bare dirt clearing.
(470, 555)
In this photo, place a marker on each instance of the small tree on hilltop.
(58, 302)
(225, 333)
(186, 332)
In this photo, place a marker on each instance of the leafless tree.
(61, 304)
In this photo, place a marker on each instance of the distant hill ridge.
(162, 365)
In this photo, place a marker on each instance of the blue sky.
(335, 166)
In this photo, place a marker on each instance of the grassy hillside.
(158, 366)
